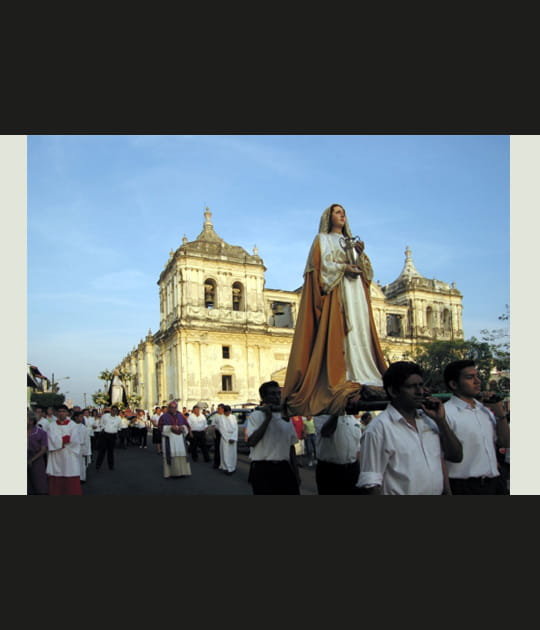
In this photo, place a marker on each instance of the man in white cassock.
(63, 457)
(227, 425)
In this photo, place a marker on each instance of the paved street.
(140, 472)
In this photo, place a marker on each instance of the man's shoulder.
(382, 420)
(454, 404)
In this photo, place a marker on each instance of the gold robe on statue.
(317, 374)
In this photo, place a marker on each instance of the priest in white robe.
(227, 425)
(173, 426)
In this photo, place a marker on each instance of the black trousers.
(199, 442)
(156, 436)
(106, 446)
(477, 485)
(217, 455)
(123, 438)
(337, 478)
(269, 477)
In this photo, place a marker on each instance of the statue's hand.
(359, 247)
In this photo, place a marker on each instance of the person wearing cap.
(174, 428)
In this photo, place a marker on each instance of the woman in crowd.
(37, 453)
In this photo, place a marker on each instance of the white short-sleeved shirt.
(275, 444)
(475, 428)
(197, 423)
(110, 423)
(343, 446)
(400, 459)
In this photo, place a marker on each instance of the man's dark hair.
(58, 407)
(398, 372)
(265, 387)
(453, 370)
(226, 407)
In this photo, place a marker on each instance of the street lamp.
(53, 382)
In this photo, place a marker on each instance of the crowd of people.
(63, 443)
(416, 445)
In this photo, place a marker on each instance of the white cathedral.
(222, 333)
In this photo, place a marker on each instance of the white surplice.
(228, 427)
(64, 460)
(86, 449)
(179, 465)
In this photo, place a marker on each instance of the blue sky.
(103, 213)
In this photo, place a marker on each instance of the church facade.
(222, 333)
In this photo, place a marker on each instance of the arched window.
(209, 293)
(237, 297)
(429, 317)
(447, 319)
(393, 325)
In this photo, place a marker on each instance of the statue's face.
(337, 218)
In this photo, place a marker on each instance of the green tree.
(499, 342)
(433, 357)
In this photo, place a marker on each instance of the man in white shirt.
(481, 430)
(123, 433)
(402, 449)
(111, 424)
(156, 433)
(217, 436)
(198, 424)
(337, 445)
(271, 439)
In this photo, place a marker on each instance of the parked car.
(241, 414)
